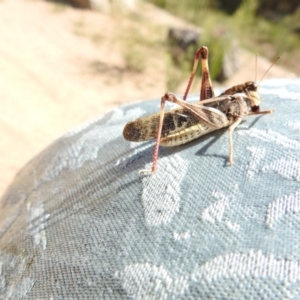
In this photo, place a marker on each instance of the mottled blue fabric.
(78, 222)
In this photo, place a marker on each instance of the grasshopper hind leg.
(206, 89)
(158, 137)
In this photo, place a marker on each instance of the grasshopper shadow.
(208, 140)
(212, 139)
(217, 134)
(253, 121)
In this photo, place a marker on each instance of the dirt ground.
(62, 66)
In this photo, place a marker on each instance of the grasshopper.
(192, 120)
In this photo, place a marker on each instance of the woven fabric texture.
(78, 222)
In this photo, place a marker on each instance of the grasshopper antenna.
(255, 67)
(272, 64)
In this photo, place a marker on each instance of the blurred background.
(66, 62)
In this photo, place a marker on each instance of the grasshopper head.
(252, 93)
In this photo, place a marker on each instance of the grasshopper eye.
(255, 108)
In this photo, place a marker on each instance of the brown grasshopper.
(190, 121)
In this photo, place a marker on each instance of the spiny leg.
(206, 91)
(158, 137)
(171, 98)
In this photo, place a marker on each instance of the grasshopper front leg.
(237, 121)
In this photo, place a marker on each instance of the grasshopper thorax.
(250, 86)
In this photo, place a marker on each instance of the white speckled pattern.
(79, 222)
